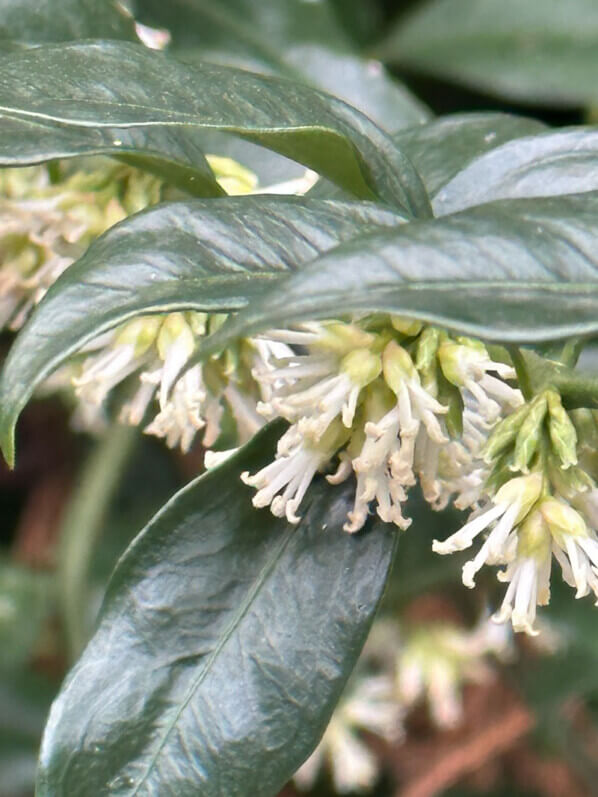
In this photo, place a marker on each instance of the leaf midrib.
(236, 620)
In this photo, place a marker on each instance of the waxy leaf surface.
(512, 270)
(224, 642)
(112, 84)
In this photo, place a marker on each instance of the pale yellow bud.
(361, 366)
(235, 179)
(523, 490)
(343, 338)
(562, 520)
(406, 326)
(457, 361)
(398, 367)
(141, 332)
(175, 329)
(533, 537)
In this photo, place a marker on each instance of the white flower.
(575, 546)
(314, 389)
(128, 350)
(468, 365)
(511, 504)
(436, 659)
(283, 483)
(528, 575)
(415, 407)
(370, 705)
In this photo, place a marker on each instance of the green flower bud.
(427, 348)
(335, 436)
(530, 433)
(562, 432)
(504, 434)
(568, 482)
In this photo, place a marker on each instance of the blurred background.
(442, 702)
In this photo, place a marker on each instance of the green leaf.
(295, 39)
(224, 642)
(111, 84)
(549, 164)
(171, 153)
(35, 21)
(445, 146)
(541, 51)
(512, 270)
(205, 255)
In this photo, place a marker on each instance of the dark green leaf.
(549, 164)
(205, 255)
(541, 51)
(294, 39)
(224, 642)
(512, 270)
(110, 84)
(445, 146)
(64, 20)
(172, 153)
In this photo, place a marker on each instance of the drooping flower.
(510, 506)
(436, 659)
(369, 704)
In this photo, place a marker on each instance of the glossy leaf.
(300, 40)
(224, 642)
(541, 51)
(37, 21)
(549, 164)
(445, 146)
(513, 270)
(111, 84)
(204, 255)
(173, 154)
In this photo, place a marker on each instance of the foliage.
(367, 241)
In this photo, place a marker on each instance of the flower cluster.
(50, 214)
(153, 350)
(393, 402)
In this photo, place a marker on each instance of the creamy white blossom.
(370, 705)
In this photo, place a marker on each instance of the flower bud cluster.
(50, 214)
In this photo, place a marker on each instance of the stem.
(83, 524)
(523, 376)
